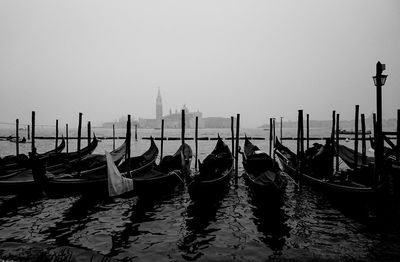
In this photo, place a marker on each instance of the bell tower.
(159, 112)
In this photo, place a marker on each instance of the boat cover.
(117, 184)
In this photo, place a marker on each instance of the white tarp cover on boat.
(117, 184)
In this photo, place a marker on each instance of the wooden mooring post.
(274, 137)
(274, 133)
(128, 149)
(298, 138)
(66, 135)
(398, 136)
(128, 135)
(79, 133)
(356, 136)
(33, 148)
(162, 139)
(56, 133)
(308, 130)
(17, 136)
(281, 131)
(300, 147)
(135, 132)
(196, 134)
(113, 135)
(363, 141)
(237, 147)
(301, 135)
(233, 136)
(29, 133)
(333, 126)
(183, 136)
(337, 142)
(374, 125)
(89, 132)
(270, 136)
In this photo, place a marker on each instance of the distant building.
(173, 120)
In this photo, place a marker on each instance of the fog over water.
(257, 58)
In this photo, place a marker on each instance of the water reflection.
(10, 204)
(150, 223)
(75, 218)
(199, 229)
(270, 220)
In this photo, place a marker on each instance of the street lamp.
(379, 81)
(382, 78)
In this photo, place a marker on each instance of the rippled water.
(171, 227)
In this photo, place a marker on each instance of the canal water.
(308, 225)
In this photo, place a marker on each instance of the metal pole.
(378, 140)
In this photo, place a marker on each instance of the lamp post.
(379, 81)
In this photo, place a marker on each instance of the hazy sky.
(261, 59)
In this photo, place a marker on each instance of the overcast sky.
(261, 59)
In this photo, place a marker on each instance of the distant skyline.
(258, 58)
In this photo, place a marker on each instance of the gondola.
(389, 154)
(364, 172)
(262, 173)
(53, 160)
(11, 164)
(23, 180)
(347, 155)
(94, 180)
(330, 183)
(163, 177)
(214, 174)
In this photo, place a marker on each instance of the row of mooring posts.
(33, 145)
(32, 135)
(234, 149)
(335, 136)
